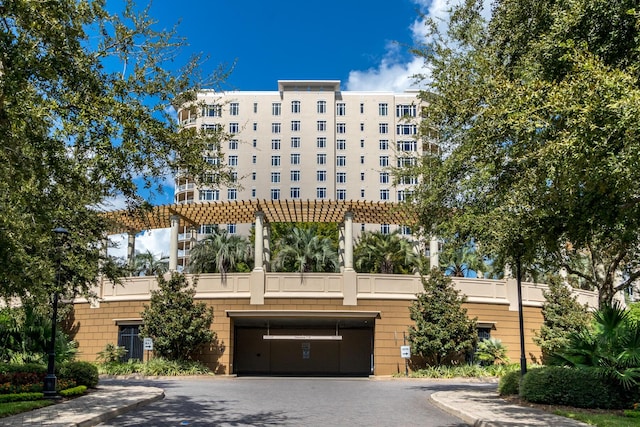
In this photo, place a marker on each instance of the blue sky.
(364, 44)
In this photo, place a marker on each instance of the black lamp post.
(50, 381)
(523, 358)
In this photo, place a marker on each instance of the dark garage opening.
(303, 346)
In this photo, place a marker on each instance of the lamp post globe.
(50, 380)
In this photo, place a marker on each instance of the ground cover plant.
(154, 367)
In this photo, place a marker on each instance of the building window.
(276, 109)
(321, 142)
(321, 159)
(295, 126)
(401, 196)
(406, 161)
(362, 193)
(295, 176)
(208, 228)
(406, 129)
(383, 128)
(275, 160)
(295, 192)
(322, 107)
(384, 144)
(362, 160)
(295, 159)
(234, 176)
(341, 177)
(234, 127)
(233, 144)
(321, 176)
(275, 144)
(384, 161)
(275, 194)
(407, 145)
(341, 109)
(361, 176)
(362, 143)
(341, 161)
(275, 177)
(341, 127)
(253, 193)
(361, 127)
(212, 127)
(384, 194)
(209, 195)
(383, 109)
(384, 229)
(295, 142)
(233, 160)
(341, 144)
(254, 159)
(341, 194)
(484, 334)
(255, 107)
(322, 125)
(234, 109)
(361, 108)
(295, 107)
(255, 126)
(253, 176)
(405, 110)
(232, 228)
(211, 111)
(129, 338)
(254, 143)
(408, 180)
(232, 194)
(321, 192)
(384, 177)
(212, 160)
(275, 128)
(405, 230)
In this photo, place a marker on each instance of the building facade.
(306, 141)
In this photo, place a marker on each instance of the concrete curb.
(435, 398)
(106, 416)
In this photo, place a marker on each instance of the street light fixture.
(50, 381)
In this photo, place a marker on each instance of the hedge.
(20, 397)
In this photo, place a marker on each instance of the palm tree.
(460, 260)
(305, 251)
(376, 252)
(221, 253)
(147, 264)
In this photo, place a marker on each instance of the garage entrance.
(304, 346)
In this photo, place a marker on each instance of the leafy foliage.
(305, 250)
(147, 264)
(443, 333)
(222, 253)
(611, 348)
(74, 391)
(536, 115)
(178, 325)
(111, 353)
(491, 351)
(465, 371)
(82, 373)
(155, 366)
(509, 383)
(375, 252)
(562, 315)
(86, 115)
(458, 260)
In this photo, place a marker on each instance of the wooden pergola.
(244, 212)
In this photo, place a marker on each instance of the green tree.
(86, 115)
(304, 250)
(443, 333)
(179, 326)
(536, 115)
(222, 253)
(147, 264)
(375, 252)
(612, 346)
(563, 315)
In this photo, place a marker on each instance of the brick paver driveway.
(291, 402)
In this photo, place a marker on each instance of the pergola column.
(266, 239)
(258, 248)
(434, 252)
(131, 249)
(173, 243)
(341, 245)
(348, 241)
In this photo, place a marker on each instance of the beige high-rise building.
(309, 141)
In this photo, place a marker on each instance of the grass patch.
(600, 418)
(13, 408)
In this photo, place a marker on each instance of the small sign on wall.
(405, 351)
(306, 350)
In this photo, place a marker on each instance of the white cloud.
(156, 241)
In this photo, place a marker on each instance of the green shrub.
(20, 397)
(36, 368)
(492, 352)
(509, 383)
(75, 391)
(83, 373)
(155, 367)
(21, 378)
(578, 387)
(112, 353)
(464, 371)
